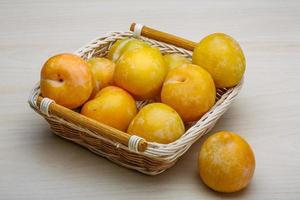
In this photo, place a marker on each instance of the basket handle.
(162, 36)
(133, 142)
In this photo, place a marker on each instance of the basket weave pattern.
(157, 157)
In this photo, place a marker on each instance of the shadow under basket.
(126, 150)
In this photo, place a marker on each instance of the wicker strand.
(133, 143)
(34, 95)
(44, 106)
(137, 30)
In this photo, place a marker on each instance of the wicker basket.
(126, 150)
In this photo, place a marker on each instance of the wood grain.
(35, 164)
(165, 37)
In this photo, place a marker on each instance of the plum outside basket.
(128, 151)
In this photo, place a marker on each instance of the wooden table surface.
(35, 164)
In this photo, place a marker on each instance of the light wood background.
(35, 164)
